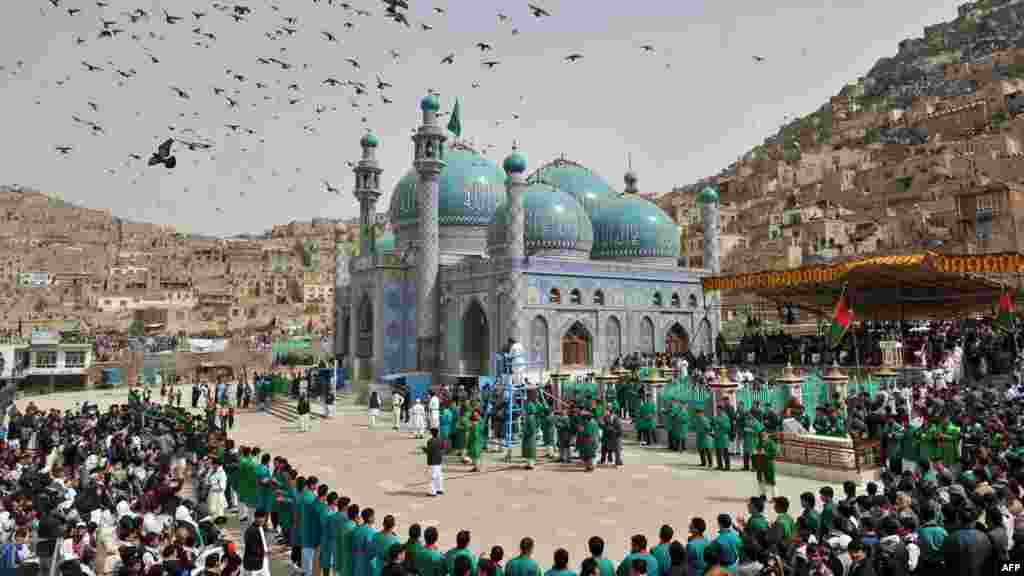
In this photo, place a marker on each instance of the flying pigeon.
(449, 59)
(329, 36)
(490, 64)
(163, 155)
(381, 84)
(537, 11)
(331, 189)
(484, 46)
(758, 58)
(353, 62)
(63, 150)
(573, 57)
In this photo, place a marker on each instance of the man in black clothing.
(435, 458)
(611, 439)
(255, 556)
(396, 556)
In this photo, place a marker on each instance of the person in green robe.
(266, 496)
(459, 438)
(951, 445)
(702, 429)
(284, 499)
(935, 438)
(682, 425)
(752, 429)
(563, 430)
(722, 427)
(588, 441)
(676, 422)
(246, 485)
(313, 509)
(822, 425)
(785, 522)
(382, 543)
(328, 533)
(894, 433)
(773, 423)
(412, 547)
(474, 440)
(445, 427)
(362, 544)
(529, 445)
(647, 422)
(430, 561)
(345, 556)
(767, 450)
(547, 429)
(909, 448)
(837, 423)
(461, 549)
(803, 418)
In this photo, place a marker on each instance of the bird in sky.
(396, 4)
(647, 48)
(502, 17)
(168, 18)
(181, 93)
(449, 59)
(198, 15)
(537, 11)
(758, 58)
(332, 82)
(163, 155)
(329, 36)
(381, 84)
(91, 67)
(484, 46)
(63, 150)
(490, 64)
(353, 62)
(331, 189)
(573, 57)
(439, 10)
(426, 27)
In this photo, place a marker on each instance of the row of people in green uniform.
(937, 440)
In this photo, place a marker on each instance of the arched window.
(599, 298)
(555, 296)
(693, 300)
(576, 346)
(657, 299)
(676, 301)
(575, 296)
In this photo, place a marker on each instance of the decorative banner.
(1005, 263)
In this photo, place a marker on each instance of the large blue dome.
(553, 221)
(471, 188)
(576, 180)
(631, 227)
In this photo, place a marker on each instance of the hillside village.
(922, 153)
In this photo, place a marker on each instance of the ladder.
(515, 389)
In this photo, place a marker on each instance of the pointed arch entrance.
(677, 341)
(539, 342)
(364, 336)
(475, 339)
(577, 349)
(613, 339)
(646, 343)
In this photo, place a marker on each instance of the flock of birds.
(240, 91)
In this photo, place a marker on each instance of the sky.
(681, 113)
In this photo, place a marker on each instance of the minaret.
(708, 199)
(428, 161)
(367, 191)
(515, 238)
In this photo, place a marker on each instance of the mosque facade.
(477, 254)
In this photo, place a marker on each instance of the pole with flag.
(842, 318)
(455, 122)
(1005, 317)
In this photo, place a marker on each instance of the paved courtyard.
(558, 505)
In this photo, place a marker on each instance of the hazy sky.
(679, 123)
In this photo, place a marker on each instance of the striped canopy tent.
(912, 286)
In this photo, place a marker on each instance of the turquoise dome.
(430, 103)
(369, 140)
(708, 196)
(553, 220)
(585, 186)
(471, 188)
(515, 163)
(632, 227)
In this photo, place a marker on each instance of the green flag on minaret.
(455, 122)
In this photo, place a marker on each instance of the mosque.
(478, 254)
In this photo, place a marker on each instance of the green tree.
(136, 328)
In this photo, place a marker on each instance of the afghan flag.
(842, 317)
(455, 122)
(1006, 316)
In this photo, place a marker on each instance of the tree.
(137, 328)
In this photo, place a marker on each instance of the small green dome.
(430, 103)
(576, 180)
(708, 196)
(385, 242)
(632, 227)
(369, 140)
(470, 190)
(515, 163)
(552, 220)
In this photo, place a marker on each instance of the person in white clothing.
(396, 408)
(419, 419)
(435, 412)
(216, 502)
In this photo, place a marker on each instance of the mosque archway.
(646, 342)
(706, 337)
(475, 339)
(577, 349)
(677, 341)
(539, 342)
(364, 338)
(613, 338)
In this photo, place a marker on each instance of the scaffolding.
(515, 388)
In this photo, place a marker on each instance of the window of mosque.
(599, 298)
(693, 300)
(657, 299)
(676, 301)
(575, 296)
(555, 296)
(480, 197)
